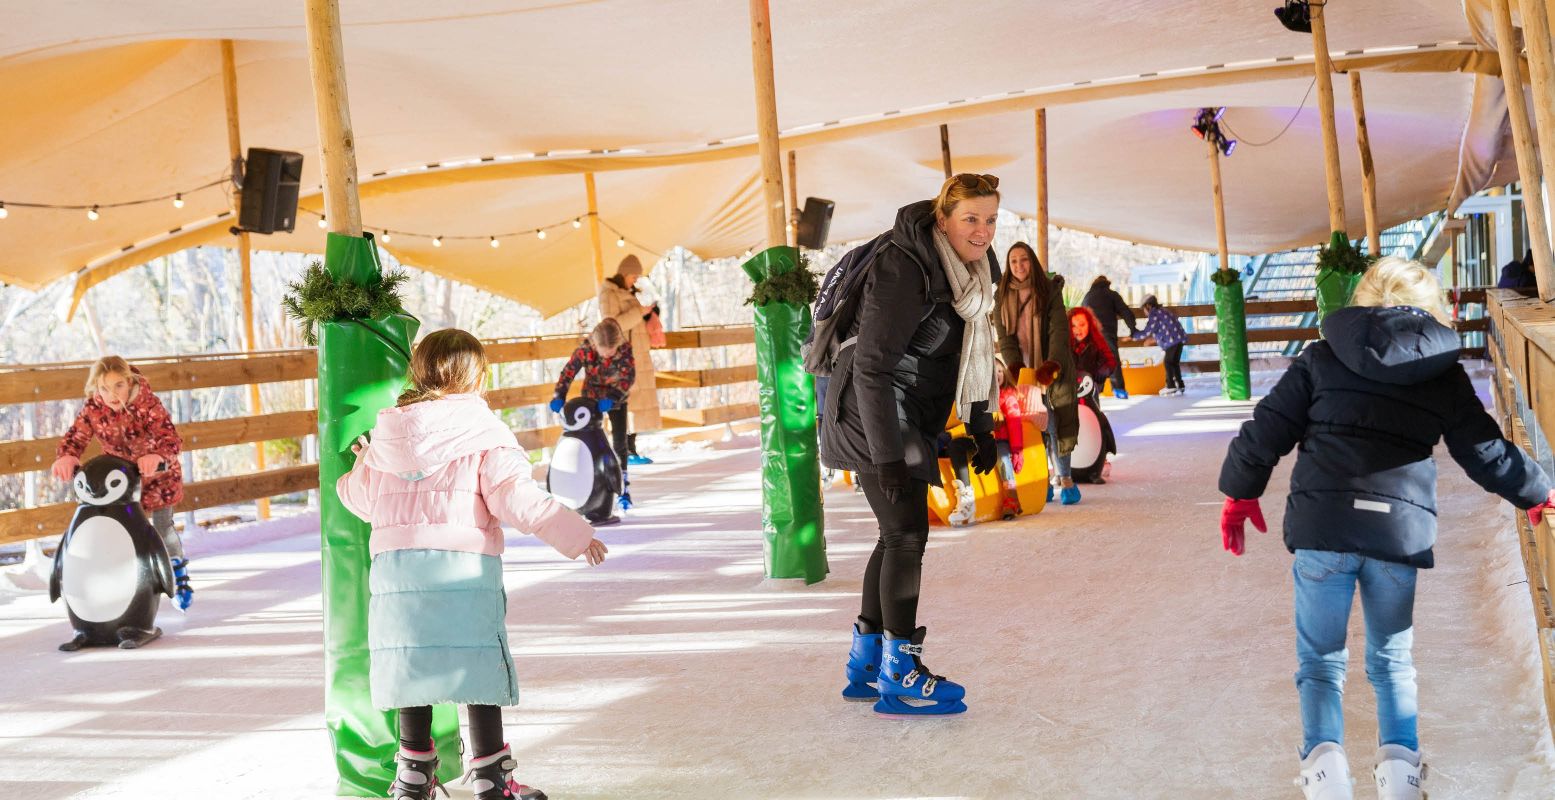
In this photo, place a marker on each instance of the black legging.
(1174, 367)
(618, 441)
(1117, 374)
(485, 729)
(896, 567)
(960, 454)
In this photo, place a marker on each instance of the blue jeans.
(1325, 588)
(1050, 438)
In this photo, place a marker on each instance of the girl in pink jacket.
(438, 480)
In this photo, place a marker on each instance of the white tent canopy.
(512, 101)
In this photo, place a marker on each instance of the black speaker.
(271, 179)
(815, 222)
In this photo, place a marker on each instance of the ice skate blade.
(893, 706)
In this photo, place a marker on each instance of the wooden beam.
(1325, 104)
(1528, 169)
(944, 149)
(25, 455)
(1541, 69)
(1368, 169)
(337, 144)
(702, 378)
(593, 202)
(1218, 195)
(37, 383)
(710, 337)
(767, 121)
(793, 199)
(1042, 199)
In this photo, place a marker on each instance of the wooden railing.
(39, 383)
(1522, 348)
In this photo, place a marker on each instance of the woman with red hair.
(1092, 355)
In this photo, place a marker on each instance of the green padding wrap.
(1231, 326)
(790, 466)
(1334, 287)
(362, 368)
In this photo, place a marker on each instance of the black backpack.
(836, 306)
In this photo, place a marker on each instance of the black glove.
(893, 479)
(987, 456)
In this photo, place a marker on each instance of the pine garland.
(1226, 277)
(1341, 256)
(318, 298)
(798, 286)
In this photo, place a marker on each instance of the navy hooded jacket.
(1367, 406)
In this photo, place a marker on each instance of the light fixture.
(540, 233)
(323, 223)
(577, 223)
(1227, 146)
(3, 212)
(495, 243)
(1295, 15)
(437, 241)
(178, 201)
(92, 214)
(747, 254)
(386, 237)
(621, 242)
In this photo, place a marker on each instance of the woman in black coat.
(1367, 405)
(922, 343)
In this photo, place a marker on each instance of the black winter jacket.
(892, 390)
(1108, 306)
(1367, 406)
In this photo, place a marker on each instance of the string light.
(386, 237)
(323, 223)
(92, 214)
(540, 233)
(577, 223)
(3, 212)
(178, 201)
(621, 242)
(495, 243)
(437, 241)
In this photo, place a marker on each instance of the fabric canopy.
(476, 118)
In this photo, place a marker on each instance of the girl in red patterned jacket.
(132, 424)
(608, 373)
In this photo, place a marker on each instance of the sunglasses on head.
(975, 182)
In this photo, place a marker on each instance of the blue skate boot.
(415, 776)
(908, 688)
(863, 662)
(183, 596)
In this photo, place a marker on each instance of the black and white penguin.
(1095, 441)
(111, 564)
(585, 474)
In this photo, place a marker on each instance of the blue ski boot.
(863, 662)
(908, 688)
(183, 596)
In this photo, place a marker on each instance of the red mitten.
(1536, 514)
(1232, 517)
(1018, 461)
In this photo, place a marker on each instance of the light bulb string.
(100, 206)
(564, 224)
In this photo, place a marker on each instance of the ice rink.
(1110, 650)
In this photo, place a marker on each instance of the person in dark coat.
(1518, 274)
(1108, 306)
(1367, 405)
(924, 344)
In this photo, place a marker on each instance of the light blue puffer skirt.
(436, 630)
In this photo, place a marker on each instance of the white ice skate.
(1325, 774)
(966, 505)
(1399, 773)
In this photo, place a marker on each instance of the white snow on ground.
(1111, 650)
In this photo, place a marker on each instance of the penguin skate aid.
(609, 369)
(439, 446)
(123, 414)
(1373, 399)
(917, 316)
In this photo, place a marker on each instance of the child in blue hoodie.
(1368, 405)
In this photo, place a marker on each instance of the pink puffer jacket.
(445, 475)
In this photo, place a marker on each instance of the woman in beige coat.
(618, 301)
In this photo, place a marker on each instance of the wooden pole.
(337, 145)
(1541, 67)
(793, 199)
(1220, 205)
(1042, 188)
(944, 149)
(1368, 169)
(599, 253)
(766, 121)
(1527, 159)
(229, 86)
(1325, 104)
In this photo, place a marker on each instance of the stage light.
(1295, 15)
(1227, 146)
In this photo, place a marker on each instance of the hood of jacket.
(1401, 346)
(415, 441)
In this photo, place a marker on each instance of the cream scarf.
(971, 287)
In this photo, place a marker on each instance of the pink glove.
(1232, 517)
(1018, 461)
(1536, 514)
(148, 464)
(64, 468)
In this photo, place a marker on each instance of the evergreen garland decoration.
(1340, 256)
(798, 286)
(318, 297)
(1226, 277)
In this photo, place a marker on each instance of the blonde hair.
(1394, 281)
(105, 366)
(607, 335)
(449, 361)
(965, 186)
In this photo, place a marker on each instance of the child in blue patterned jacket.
(1162, 326)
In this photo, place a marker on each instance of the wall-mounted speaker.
(815, 222)
(271, 179)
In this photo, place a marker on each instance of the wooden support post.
(229, 85)
(767, 121)
(1541, 67)
(793, 199)
(1368, 169)
(599, 253)
(1042, 189)
(337, 145)
(1528, 169)
(1325, 104)
(944, 149)
(1222, 250)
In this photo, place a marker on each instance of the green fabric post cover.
(1334, 287)
(1231, 327)
(790, 466)
(362, 368)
